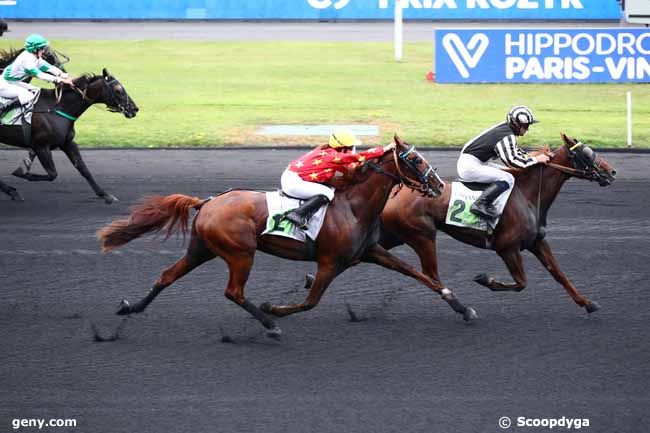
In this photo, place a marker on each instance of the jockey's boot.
(301, 215)
(483, 206)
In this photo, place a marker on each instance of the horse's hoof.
(592, 307)
(483, 279)
(274, 332)
(109, 198)
(19, 172)
(125, 308)
(470, 314)
(309, 280)
(15, 196)
(266, 307)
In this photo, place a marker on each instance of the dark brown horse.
(414, 220)
(230, 226)
(53, 126)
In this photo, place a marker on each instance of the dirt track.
(412, 366)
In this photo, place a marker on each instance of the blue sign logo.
(542, 55)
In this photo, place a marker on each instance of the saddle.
(474, 186)
(12, 112)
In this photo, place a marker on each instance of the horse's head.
(421, 176)
(50, 55)
(587, 163)
(108, 90)
(55, 58)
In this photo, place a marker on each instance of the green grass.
(220, 93)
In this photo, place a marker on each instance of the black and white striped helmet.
(520, 116)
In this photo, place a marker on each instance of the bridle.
(584, 167)
(112, 102)
(421, 184)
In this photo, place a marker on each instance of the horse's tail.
(153, 214)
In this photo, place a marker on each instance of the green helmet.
(35, 42)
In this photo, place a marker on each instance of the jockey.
(498, 141)
(30, 63)
(305, 177)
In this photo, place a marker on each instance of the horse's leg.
(542, 251)
(425, 248)
(197, 254)
(239, 268)
(381, 257)
(326, 272)
(71, 149)
(27, 162)
(11, 191)
(44, 155)
(514, 263)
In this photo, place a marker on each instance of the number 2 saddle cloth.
(463, 195)
(279, 205)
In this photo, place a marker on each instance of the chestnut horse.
(230, 226)
(414, 220)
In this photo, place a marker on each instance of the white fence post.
(629, 119)
(399, 27)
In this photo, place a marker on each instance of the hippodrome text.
(630, 61)
(542, 55)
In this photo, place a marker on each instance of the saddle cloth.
(462, 198)
(278, 205)
(11, 112)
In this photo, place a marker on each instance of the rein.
(568, 170)
(380, 170)
(58, 93)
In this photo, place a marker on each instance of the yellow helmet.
(343, 138)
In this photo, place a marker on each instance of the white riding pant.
(23, 91)
(472, 169)
(295, 186)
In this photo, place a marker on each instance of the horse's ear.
(397, 140)
(105, 73)
(565, 139)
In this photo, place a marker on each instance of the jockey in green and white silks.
(29, 63)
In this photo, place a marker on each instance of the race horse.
(53, 124)
(231, 225)
(51, 56)
(414, 220)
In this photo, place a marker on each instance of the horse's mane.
(8, 56)
(356, 174)
(84, 80)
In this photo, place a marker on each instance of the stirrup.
(297, 220)
(484, 211)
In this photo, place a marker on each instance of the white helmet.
(520, 116)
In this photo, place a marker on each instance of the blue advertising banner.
(542, 55)
(312, 9)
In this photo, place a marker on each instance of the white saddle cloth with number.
(278, 205)
(462, 198)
